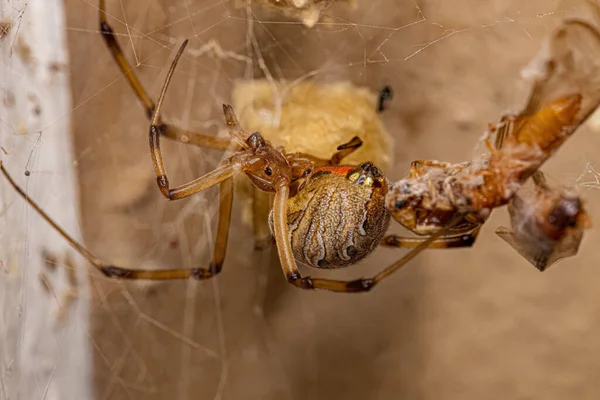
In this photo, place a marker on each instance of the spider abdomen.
(335, 222)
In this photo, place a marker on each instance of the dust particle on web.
(63, 289)
(56, 67)
(24, 52)
(9, 98)
(21, 128)
(33, 98)
(306, 11)
(4, 28)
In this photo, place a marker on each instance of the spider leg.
(446, 242)
(290, 269)
(225, 205)
(167, 130)
(225, 171)
(301, 161)
(260, 216)
(113, 271)
(345, 150)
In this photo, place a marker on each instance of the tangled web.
(453, 68)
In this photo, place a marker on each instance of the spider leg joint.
(106, 29)
(200, 273)
(361, 285)
(297, 280)
(115, 272)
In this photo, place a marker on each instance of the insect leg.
(421, 167)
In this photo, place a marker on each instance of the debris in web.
(568, 62)
(306, 11)
(547, 224)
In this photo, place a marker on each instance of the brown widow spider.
(297, 131)
(323, 215)
(547, 224)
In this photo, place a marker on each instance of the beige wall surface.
(477, 323)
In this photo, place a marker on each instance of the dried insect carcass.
(436, 191)
(547, 223)
(565, 91)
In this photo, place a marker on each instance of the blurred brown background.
(460, 324)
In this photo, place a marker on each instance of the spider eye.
(306, 172)
(268, 171)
